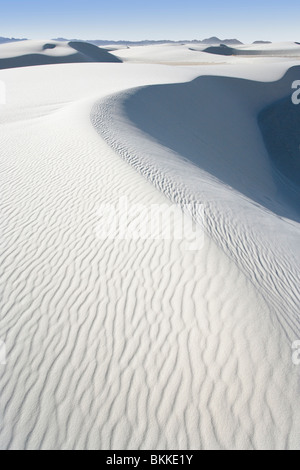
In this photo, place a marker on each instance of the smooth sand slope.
(28, 53)
(175, 54)
(123, 343)
(190, 53)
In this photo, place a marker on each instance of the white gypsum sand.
(142, 344)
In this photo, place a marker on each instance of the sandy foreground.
(115, 341)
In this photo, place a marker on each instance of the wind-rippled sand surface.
(141, 344)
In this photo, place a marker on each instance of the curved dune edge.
(254, 242)
(252, 230)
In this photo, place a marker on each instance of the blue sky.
(157, 19)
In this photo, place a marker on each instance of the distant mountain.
(68, 40)
(262, 42)
(105, 42)
(232, 42)
(215, 40)
(147, 42)
(5, 40)
(62, 39)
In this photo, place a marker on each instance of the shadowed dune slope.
(30, 53)
(212, 122)
(96, 54)
(201, 141)
(280, 126)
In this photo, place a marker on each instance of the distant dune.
(286, 49)
(176, 54)
(29, 53)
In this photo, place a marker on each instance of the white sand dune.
(197, 54)
(114, 47)
(283, 49)
(29, 53)
(184, 118)
(126, 344)
(175, 54)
